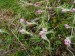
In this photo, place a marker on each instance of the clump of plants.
(37, 28)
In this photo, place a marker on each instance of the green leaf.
(3, 31)
(51, 1)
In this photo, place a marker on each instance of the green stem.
(49, 46)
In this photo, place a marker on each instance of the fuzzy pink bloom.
(66, 26)
(38, 11)
(22, 31)
(73, 10)
(74, 1)
(43, 33)
(37, 4)
(64, 10)
(44, 36)
(67, 42)
(21, 20)
(44, 29)
(28, 23)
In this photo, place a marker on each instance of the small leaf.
(3, 31)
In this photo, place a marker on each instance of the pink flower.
(44, 36)
(37, 4)
(27, 23)
(66, 26)
(44, 29)
(64, 10)
(67, 42)
(38, 11)
(21, 20)
(22, 31)
(43, 33)
(73, 10)
(74, 1)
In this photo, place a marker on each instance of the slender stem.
(70, 51)
(19, 41)
(49, 46)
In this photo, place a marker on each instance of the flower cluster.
(43, 33)
(66, 26)
(28, 23)
(37, 4)
(74, 2)
(22, 31)
(73, 10)
(38, 11)
(64, 10)
(67, 42)
(21, 20)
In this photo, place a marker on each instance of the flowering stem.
(49, 46)
(19, 41)
(73, 27)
